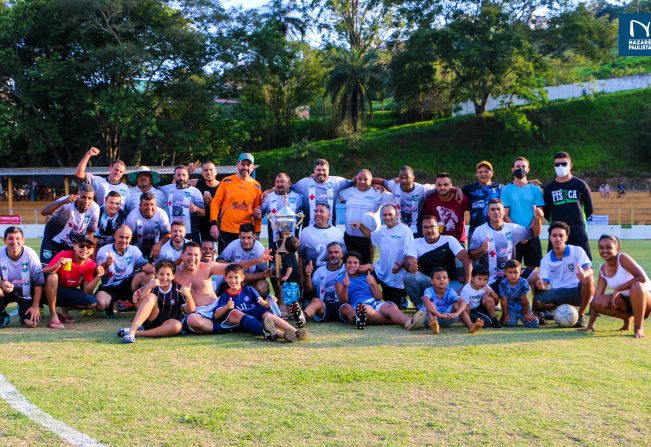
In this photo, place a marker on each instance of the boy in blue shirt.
(240, 308)
(444, 306)
(513, 291)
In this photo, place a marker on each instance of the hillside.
(607, 136)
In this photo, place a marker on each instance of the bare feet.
(639, 333)
(476, 326)
(434, 325)
(626, 326)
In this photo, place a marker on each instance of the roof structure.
(35, 172)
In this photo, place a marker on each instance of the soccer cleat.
(580, 322)
(297, 314)
(269, 329)
(122, 332)
(360, 316)
(128, 338)
(5, 319)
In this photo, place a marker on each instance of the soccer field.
(381, 386)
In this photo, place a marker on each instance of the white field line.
(17, 401)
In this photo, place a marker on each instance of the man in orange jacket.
(236, 202)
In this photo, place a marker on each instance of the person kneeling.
(161, 306)
(240, 308)
(444, 306)
(361, 299)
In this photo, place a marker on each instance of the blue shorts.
(330, 313)
(73, 297)
(442, 321)
(565, 295)
(514, 317)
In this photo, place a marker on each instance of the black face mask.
(520, 173)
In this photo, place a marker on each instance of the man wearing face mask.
(568, 199)
(519, 199)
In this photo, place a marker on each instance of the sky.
(243, 3)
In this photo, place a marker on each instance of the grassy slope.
(383, 386)
(602, 134)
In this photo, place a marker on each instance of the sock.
(251, 325)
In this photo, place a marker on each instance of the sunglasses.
(85, 245)
(560, 163)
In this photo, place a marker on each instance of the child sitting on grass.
(444, 306)
(161, 306)
(513, 297)
(240, 308)
(481, 299)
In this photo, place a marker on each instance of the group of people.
(187, 257)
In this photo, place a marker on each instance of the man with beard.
(171, 249)
(448, 212)
(197, 275)
(321, 187)
(150, 226)
(207, 185)
(103, 185)
(72, 215)
(236, 202)
(316, 237)
(246, 248)
(185, 202)
(273, 202)
(111, 217)
(145, 179)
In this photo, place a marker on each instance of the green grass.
(607, 135)
(343, 387)
(616, 67)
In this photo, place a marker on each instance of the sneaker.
(5, 319)
(125, 330)
(360, 316)
(580, 322)
(541, 318)
(405, 303)
(128, 338)
(297, 314)
(417, 321)
(269, 329)
(496, 323)
(547, 315)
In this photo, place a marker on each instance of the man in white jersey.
(21, 279)
(103, 185)
(121, 262)
(111, 217)
(321, 187)
(274, 201)
(150, 226)
(566, 275)
(72, 215)
(145, 180)
(247, 248)
(493, 243)
(185, 202)
(171, 249)
(315, 239)
(394, 240)
(362, 205)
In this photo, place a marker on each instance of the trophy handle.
(299, 224)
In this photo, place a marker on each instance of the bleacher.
(634, 208)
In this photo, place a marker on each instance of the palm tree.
(286, 18)
(356, 77)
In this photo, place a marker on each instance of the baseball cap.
(79, 238)
(246, 156)
(484, 163)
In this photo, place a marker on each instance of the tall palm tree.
(356, 77)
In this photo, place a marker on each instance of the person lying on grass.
(444, 306)
(241, 309)
(513, 290)
(72, 275)
(631, 288)
(361, 299)
(161, 306)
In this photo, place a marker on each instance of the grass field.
(343, 387)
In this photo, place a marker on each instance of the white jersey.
(561, 273)
(167, 251)
(67, 222)
(24, 273)
(363, 207)
(502, 245)
(123, 266)
(324, 282)
(473, 296)
(102, 187)
(178, 205)
(272, 203)
(133, 198)
(234, 252)
(314, 193)
(410, 203)
(394, 244)
(147, 232)
(314, 243)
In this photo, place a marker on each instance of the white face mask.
(562, 171)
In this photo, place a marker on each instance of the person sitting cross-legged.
(362, 298)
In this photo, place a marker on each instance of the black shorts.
(480, 312)
(392, 294)
(224, 239)
(360, 245)
(330, 313)
(23, 304)
(120, 291)
(530, 252)
(161, 318)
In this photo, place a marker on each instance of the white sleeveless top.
(622, 276)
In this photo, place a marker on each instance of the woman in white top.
(631, 288)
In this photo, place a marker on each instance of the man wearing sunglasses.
(568, 199)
